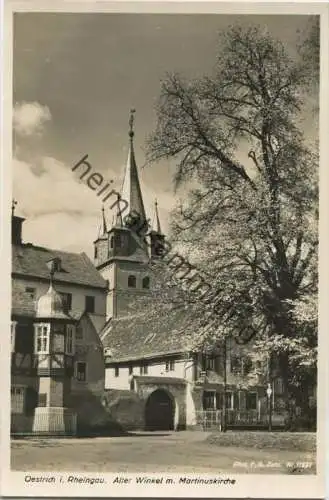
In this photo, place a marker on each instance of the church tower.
(121, 252)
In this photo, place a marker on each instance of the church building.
(152, 357)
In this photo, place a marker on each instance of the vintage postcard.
(164, 253)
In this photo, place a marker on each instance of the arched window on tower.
(146, 282)
(111, 242)
(131, 281)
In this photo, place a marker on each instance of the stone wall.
(125, 407)
(175, 388)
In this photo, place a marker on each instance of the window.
(116, 371)
(251, 401)
(111, 242)
(95, 252)
(247, 365)
(13, 335)
(170, 365)
(229, 400)
(146, 282)
(143, 369)
(81, 371)
(42, 399)
(67, 301)
(130, 370)
(90, 304)
(240, 365)
(42, 339)
(79, 333)
(210, 363)
(17, 394)
(132, 281)
(236, 365)
(278, 385)
(209, 400)
(117, 241)
(69, 339)
(31, 292)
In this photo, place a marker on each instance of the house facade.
(57, 365)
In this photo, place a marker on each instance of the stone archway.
(160, 411)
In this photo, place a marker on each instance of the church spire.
(131, 190)
(103, 226)
(156, 220)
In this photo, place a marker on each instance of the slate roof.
(31, 261)
(137, 336)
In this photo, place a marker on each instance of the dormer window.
(55, 265)
(146, 282)
(132, 281)
(67, 301)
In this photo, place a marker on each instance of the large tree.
(249, 219)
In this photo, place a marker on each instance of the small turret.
(156, 236)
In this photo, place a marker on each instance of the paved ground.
(153, 452)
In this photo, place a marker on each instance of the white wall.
(182, 369)
(78, 297)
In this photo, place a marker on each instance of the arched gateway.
(159, 411)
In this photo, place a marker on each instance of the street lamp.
(269, 405)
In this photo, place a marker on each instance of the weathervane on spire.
(131, 123)
(13, 206)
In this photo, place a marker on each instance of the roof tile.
(31, 261)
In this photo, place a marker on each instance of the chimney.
(16, 230)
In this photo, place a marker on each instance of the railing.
(214, 419)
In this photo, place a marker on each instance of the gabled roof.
(138, 336)
(31, 261)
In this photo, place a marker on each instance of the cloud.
(60, 210)
(29, 118)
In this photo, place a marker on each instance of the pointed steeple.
(156, 220)
(157, 238)
(102, 230)
(131, 190)
(103, 227)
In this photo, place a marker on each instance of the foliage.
(249, 220)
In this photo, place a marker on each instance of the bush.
(106, 428)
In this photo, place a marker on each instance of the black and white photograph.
(164, 210)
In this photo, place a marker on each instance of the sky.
(75, 78)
